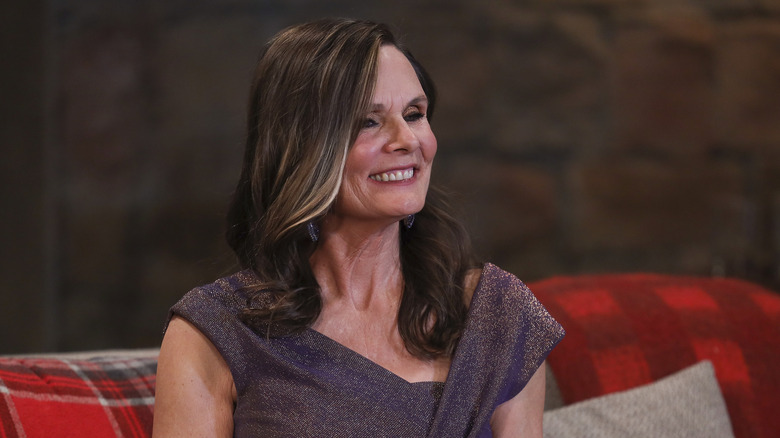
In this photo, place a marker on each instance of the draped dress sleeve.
(508, 335)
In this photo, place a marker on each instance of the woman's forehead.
(396, 80)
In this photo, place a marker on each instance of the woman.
(360, 311)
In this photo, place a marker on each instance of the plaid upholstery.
(627, 330)
(98, 397)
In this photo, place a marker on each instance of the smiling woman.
(361, 310)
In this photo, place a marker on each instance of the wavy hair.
(311, 89)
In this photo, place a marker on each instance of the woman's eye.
(369, 123)
(413, 117)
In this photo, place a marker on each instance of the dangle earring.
(409, 221)
(314, 231)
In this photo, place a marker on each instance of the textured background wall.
(579, 136)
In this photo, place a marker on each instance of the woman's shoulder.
(502, 296)
(489, 277)
(230, 290)
(222, 300)
(494, 284)
(235, 282)
(486, 272)
(492, 276)
(214, 311)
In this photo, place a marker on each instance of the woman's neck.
(358, 266)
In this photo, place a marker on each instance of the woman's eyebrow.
(376, 107)
(418, 100)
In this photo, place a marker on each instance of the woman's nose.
(402, 137)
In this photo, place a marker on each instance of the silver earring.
(409, 221)
(314, 231)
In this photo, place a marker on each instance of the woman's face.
(388, 168)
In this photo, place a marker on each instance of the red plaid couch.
(622, 331)
(101, 394)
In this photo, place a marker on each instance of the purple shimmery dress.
(308, 385)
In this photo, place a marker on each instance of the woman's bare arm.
(522, 415)
(195, 390)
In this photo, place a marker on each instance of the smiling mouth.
(397, 175)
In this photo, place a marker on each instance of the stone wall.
(578, 135)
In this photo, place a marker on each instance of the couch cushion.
(687, 404)
(627, 330)
(100, 396)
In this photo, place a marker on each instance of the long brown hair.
(312, 86)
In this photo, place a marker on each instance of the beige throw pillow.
(686, 404)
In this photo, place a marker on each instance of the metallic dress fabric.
(308, 385)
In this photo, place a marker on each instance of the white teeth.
(398, 175)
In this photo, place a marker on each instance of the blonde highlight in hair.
(310, 92)
(311, 88)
